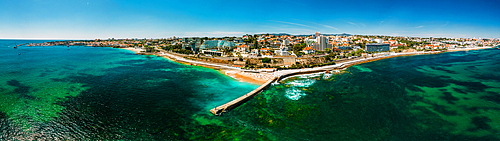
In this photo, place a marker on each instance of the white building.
(378, 40)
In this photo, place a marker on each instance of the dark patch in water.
(443, 69)
(443, 110)
(475, 87)
(21, 89)
(487, 77)
(481, 123)
(475, 109)
(69, 67)
(449, 98)
(471, 67)
(459, 91)
(493, 98)
(431, 81)
(42, 74)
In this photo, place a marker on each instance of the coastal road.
(196, 62)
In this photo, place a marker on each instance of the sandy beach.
(254, 78)
(464, 49)
(132, 49)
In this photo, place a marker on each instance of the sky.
(102, 19)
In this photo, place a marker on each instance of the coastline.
(132, 49)
(261, 77)
(243, 77)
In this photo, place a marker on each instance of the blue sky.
(90, 19)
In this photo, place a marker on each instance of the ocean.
(99, 93)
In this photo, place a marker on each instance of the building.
(321, 44)
(264, 50)
(282, 51)
(378, 40)
(285, 43)
(254, 53)
(356, 48)
(344, 47)
(317, 34)
(191, 43)
(242, 48)
(309, 41)
(212, 44)
(308, 50)
(212, 52)
(378, 47)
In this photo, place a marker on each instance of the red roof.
(308, 48)
(264, 49)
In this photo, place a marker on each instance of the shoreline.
(261, 77)
(132, 49)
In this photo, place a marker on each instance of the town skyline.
(47, 19)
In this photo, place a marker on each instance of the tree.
(256, 44)
(328, 50)
(266, 60)
(297, 48)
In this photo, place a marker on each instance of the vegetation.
(178, 49)
(266, 60)
(297, 48)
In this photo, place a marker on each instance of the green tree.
(297, 48)
(266, 60)
(255, 44)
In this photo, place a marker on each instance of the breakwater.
(217, 110)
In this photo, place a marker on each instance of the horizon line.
(234, 36)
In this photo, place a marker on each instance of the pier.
(20, 45)
(242, 99)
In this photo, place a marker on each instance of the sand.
(133, 49)
(254, 78)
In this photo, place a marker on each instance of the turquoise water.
(448, 96)
(103, 93)
(49, 93)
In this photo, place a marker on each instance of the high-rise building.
(321, 43)
(317, 34)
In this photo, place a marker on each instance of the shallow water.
(103, 93)
(448, 96)
(91, 93)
